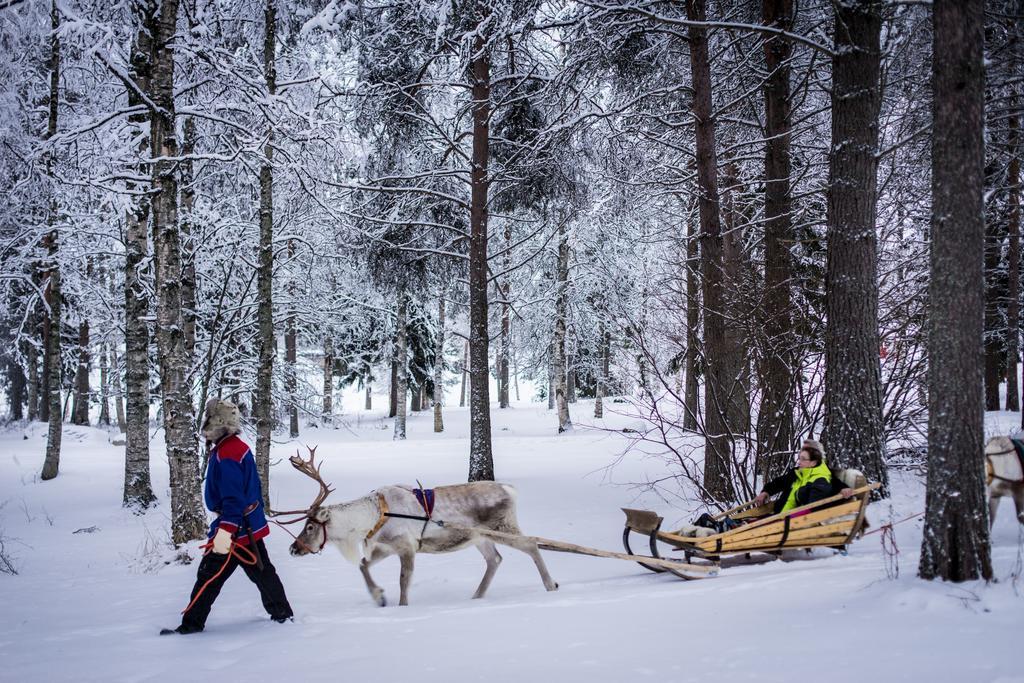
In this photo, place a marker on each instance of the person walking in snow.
(809, 481)
(233, 492)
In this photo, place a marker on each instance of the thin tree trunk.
(104, 386)
(721, 377)
(402, 373)
(415, 402)
(328, 404)
(134, 416)
(80, 409)
(465, 375)
(733, 263)
(1013, 251)
(118, 393)
(995, 295)
(691, 405)
(775, 415)
(188, 264)
(481, 461)
(853, 384)
(369, 382)
(558, 362)
(263, 403)
(439, 367)
(16, 389)
(187, 518)
(32, 361)
(602, 382)
(291, 355)
(51, 465)
(955, 542)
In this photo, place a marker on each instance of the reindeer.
(392, 521)
(1004, 475)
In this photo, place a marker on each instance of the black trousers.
(267, 581)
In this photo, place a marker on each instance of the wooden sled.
(832, 522)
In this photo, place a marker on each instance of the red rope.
(234, 551)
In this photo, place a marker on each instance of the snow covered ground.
(88, 606)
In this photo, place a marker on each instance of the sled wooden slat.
(833, 521)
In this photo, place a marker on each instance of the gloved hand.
(222, 542)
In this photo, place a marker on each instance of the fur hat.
(815, 445)
(221, 419)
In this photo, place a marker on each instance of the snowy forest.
(740, 223)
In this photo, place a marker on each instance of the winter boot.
(183, 630)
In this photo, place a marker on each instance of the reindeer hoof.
(378, 597)
(554, 587)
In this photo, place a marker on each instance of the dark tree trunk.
(34, 391)
(188, 264)
(853, 380)
(138, 492)
(465, 375)
(691, 405)
(481, 461)
(721, 371)
(736, 310)
(187, 517)
(52, 291)
(328, 399)
(291, 355)
(80, 407)
(439, 367)
(263, 403)
(104, 386)
(1013, 250)
(775, 416)
(995, 298)
(16, 389)
(393, 406)
(955, 543)
(602, 382)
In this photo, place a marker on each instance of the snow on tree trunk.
(439, 367)
(138, 492)
(558, 362)
(465, 375)
(1013, 251)
(721, 370)
(481, 461)
(51, 465)
(853, 384)
(602, 382)
(369, 398)
(32, 361)
(290, 354)
(263, 403)
(504, 290)
(736, 310)
(188, 266)
(402, 374)
(955, 542)
(187, 518)
(104, 385)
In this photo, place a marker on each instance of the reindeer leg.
(530, 548)
(1018, 500)
(376, 592)
(407, 558)
(993, 505)
(493, 559)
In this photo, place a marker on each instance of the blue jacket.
(233, 488)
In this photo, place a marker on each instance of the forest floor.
(94, 585)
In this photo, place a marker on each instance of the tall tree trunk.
(122, 421)
(138, 492)
(16, 389)
(481, 461)
(401, 384)
(775, 415)
(393, 398)
(51, 465)
(32, 361)
(735, 308)
(955, 543)
(602, 382)
(465, 375)
(291, 355)
(369, 382)
(328, 409)
(187, 517)
(691, 405)
(995, 296)
(506, 329)
(721, 376)
(439, 367)
(80, 407)
(1013, 252)
(263, 403)
(558, 362)
(188, 265)
(104, 385)
(853, 380)
(415, 398)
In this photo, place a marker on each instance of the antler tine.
(312, 470)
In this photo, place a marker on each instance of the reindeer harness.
(425, 497)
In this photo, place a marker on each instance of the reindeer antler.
(312, 470)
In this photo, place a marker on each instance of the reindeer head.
(314, 532)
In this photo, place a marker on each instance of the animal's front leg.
(1018, 501)
(407, 558)
(376, 592)
(993, 506)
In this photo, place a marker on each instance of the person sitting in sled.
(233, 492)
(809, 481)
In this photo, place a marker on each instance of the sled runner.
(832, 522)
